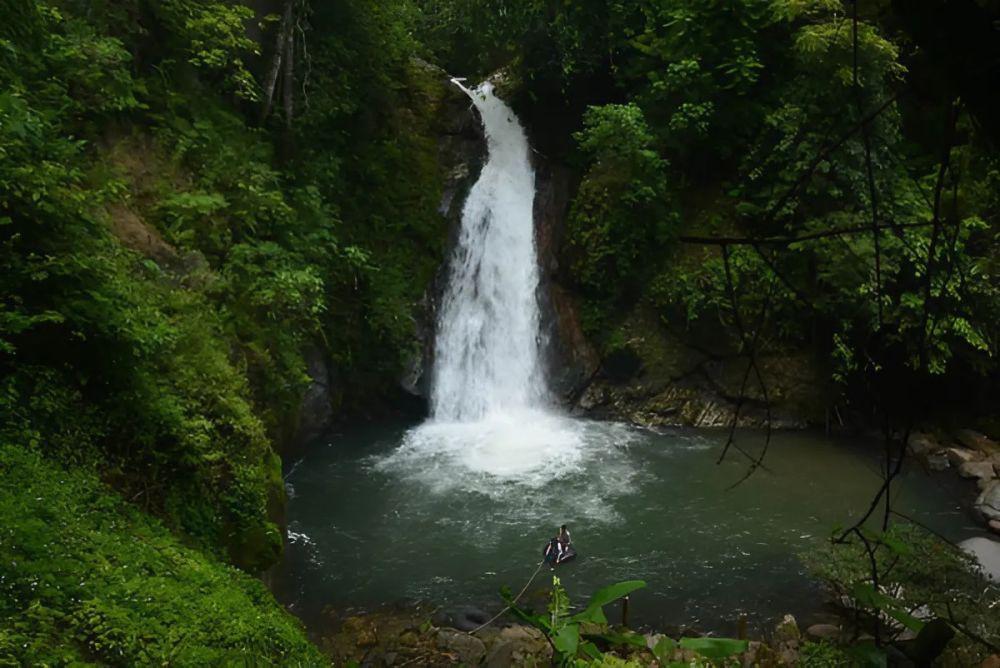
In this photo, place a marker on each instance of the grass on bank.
(86, 578)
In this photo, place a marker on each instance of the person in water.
(563, 537)
(553, 553)
(560, 544)
(558, 547)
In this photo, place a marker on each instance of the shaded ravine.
(448, 511)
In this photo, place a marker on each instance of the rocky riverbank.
(425, 637)
(973, 456)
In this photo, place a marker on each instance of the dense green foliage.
(167, 260)
(162, 276)
(87, 579)
(922, 579)
(578, 638)
(743, 120)
(198, 195)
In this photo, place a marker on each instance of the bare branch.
(787, 240)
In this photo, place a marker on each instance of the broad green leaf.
(614, 592)
(621, 639)
(664, 648)
(590, 649)
(567, 640)
(715, 648)
(590, 616)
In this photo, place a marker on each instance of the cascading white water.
(490, 414)
(486, 351)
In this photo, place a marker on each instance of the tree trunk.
(274, 68)
(288, 82)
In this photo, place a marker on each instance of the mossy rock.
(256, 549)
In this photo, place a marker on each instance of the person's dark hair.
(563, 528)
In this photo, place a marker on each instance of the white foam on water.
(530, 447)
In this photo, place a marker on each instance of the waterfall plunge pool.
(447, 514)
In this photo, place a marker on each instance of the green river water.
(372, 523)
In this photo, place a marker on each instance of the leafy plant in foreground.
(926, 587)
(577, 638)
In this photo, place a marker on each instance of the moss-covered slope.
(86, 577)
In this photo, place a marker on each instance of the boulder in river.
(987, 503)
(959, 456)
(987, 554)
(467, 648)
(977, 470)
(461, 617)
(828, 632)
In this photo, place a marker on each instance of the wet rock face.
(570, 359)
(664, 378)
(461, 155)
(316, 413)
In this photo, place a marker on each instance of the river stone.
(469, 649)
(988, 502)
(976, 441)
(959, 456)
(787, 630)
(979, 470)
(519, 646)
(461, 617)
(522, 634)
(501, 655)
(987, 553)
(995, 526)
(829, 632)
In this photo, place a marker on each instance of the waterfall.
(491, 418)
(486, 352)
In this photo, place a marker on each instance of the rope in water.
(513, 601)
